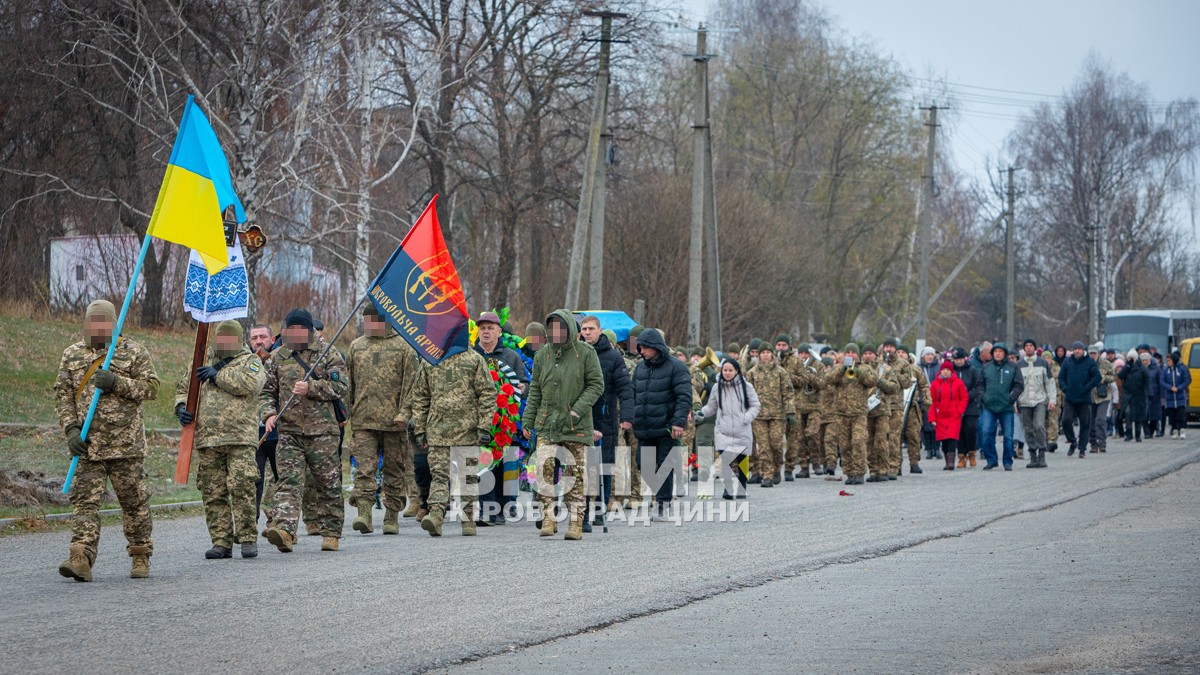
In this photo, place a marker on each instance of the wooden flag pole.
(183, 463)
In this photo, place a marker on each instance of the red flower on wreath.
(513, 408)
(495, 376)
(496, 419)
(501, 400)
(506, 388)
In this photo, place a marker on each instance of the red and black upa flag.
(419, 293)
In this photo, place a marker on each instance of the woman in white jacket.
(735, 404)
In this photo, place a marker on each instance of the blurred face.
(297, 337)
(648, 353)
(902, 354)
(782, 347)
(489, 334)
(888, 350)
(1030, 349)
(805, 355)
(695, 359)
(753, 353)
(227, 344)
(1012, 358)
(1078, 352)
(766, 356)
(98, 330)
(535, 342)
(868, 357)
(558, 332)
(374, 326)
(853, 356)
(681, 357)
(728, 371)
(261, 340)
(998, 355)
(930, 358)
(590, 332)
(1060, 352)
(959, 361)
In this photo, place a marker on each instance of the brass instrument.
(710, 359)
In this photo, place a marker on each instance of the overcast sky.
(1000, 56)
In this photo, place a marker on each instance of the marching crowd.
(546, 407)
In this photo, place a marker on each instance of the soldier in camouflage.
(911, 421)
(828, 444)
(879, 418)
(627, 478)
(903, 377)
(382, 368)
(115, 448)
(774, 387)
(808, 379)
(452, 407)
(308, 432)
(849, 384)
(1053, 417)
(226, 439)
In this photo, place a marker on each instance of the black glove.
(75, 442)
(485, 439)
(422, 441)
(185, 417)
(207, 373)
(104, 380)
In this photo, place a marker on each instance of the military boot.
(140, 562)
(468, 527)
(804, 473)
(549, 525)
(421, 513)
(1033, 460)
(432, 523)
(391, 522)
(312, 528)
(77, 566)
(329, 543)
(414, 505)
(574, 526)
(363, 522)
(281, 539)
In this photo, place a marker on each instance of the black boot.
(218, 553)
(915, 468)
(1033, 459)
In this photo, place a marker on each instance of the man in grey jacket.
(1039, 395)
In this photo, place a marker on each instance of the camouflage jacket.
(902, 375)
(774, 387)
(1107, 376)
(849, 388)
(118, 429)
(887, 385)
(228, 412)
(922, 392)
(808, 379)
(382, 370)
(312, 414)
(453, 402)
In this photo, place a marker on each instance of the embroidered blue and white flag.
(224, 295)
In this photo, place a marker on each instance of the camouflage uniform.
(849, 389)
(116, 441)
(774, 387)
(922, 400)
(879, 421)
(627, 479)
(903, 377)
(225, 442)
(825, 413)
(803, 437)
(308, 437)
(452, 406)
(382, 370)
(1054, 417)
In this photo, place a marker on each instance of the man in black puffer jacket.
(662, 399)
(616, 403)
(1078, 377)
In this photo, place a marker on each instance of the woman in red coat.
(949, 403)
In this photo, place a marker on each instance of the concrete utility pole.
(712, 251)
(699, 186)
(926, 227)
(1010, 263)
(592, 158)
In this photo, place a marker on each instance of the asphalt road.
(960, 570)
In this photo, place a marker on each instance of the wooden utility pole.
(592, 158)
(700, 186)
(926, 227)
(1010, 272)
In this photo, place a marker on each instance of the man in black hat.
(489, 347)
(1077, 378)
(662, 400)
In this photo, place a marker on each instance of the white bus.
(1125, 329)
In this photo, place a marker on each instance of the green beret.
(851, 348)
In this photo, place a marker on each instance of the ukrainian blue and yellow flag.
(195, 192)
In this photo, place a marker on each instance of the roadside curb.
(55, 517)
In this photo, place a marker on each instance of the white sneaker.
(1172, 435)
(1181, 436)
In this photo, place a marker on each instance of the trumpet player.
(850, 383)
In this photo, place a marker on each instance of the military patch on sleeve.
(333, 376)
(253, 367)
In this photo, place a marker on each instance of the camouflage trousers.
(298, 457)
(627, 478)
(398, 477)
(1054, 421)
(803, 442)
(912, 434)
(895, 421)
(849, 434)
(767, 459)
(440, 489)
(573, 477)
(829, 443)
(226, 475)
(128, 478)
(879, 445)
